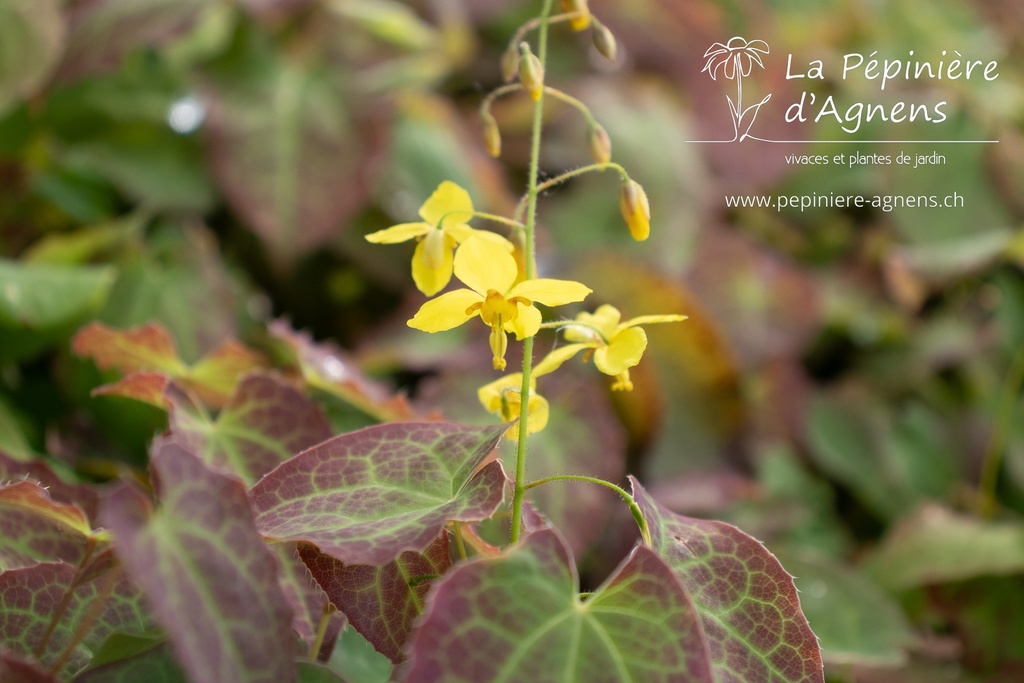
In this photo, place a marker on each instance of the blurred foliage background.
(848, 386)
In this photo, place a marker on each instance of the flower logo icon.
(735, 59)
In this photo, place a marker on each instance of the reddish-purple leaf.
(295, 194)
(34, 528)
(101, 601)
(380, 602)
(368, 496)
(146, 387)
(211, 580)
(747, 602)
(15, 669)
(61, 491)
(328, 368)
(103, 31)
(308, 601)
(519, 617)
(266, 422)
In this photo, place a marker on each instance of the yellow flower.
(503, 396)
(636, 209)
(616, 346)
(490, 272)
(445, 216)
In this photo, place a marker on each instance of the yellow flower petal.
(597, 327)
(554, 360)
(550, 292)
(398, 233)
(492, 395)
(650, 320)
(462, 232)
(449, 202)
(483, 265)
(431, 279)
(526, 324)
(445, 312)
(625, 350)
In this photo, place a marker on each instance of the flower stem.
(638, 515)
(562, 177)
(519, 489)
(321, 630)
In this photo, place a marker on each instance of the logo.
(736, 60)
(908, 75)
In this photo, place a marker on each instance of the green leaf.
(747, 602)
(211, 581)
(31, 32)
(856, 622)
(137, 658)
(30, 596)
(39, 304)
(380, 602)
(12, 439)
(368, 496)
(936, 545)
(34, 528)
(519, 617)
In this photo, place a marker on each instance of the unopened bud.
(579, 8)
(636, 210)
(510, 63)
(531, 72)
(492, 136)
(604, 41)
(600, 144)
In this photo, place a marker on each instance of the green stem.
(997, 442)
(542, 23)
(572, 101)
(457, 530)
(498, 219)
(556, 324)
(562, 177)
(638, 515)
(321, 630)
(519, 489)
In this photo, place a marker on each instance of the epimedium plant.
(258, 536)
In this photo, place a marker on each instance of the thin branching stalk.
(529, 257)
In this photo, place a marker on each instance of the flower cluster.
(497, 290)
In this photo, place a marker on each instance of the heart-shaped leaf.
(212, 582)
(747, 603)
(308, 601)
(368, 496)
(519, 617)
(380, 602)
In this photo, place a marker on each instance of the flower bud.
(492, 135)
(510, 63)
(531, 72)
(582, 12)
(604, 41)
(600, 144)
(636, 210)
